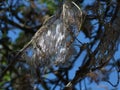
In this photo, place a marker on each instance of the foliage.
(96, 58)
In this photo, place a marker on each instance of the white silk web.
(52, 43)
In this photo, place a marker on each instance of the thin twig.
(15, 59)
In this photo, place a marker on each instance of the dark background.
(97, 64)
